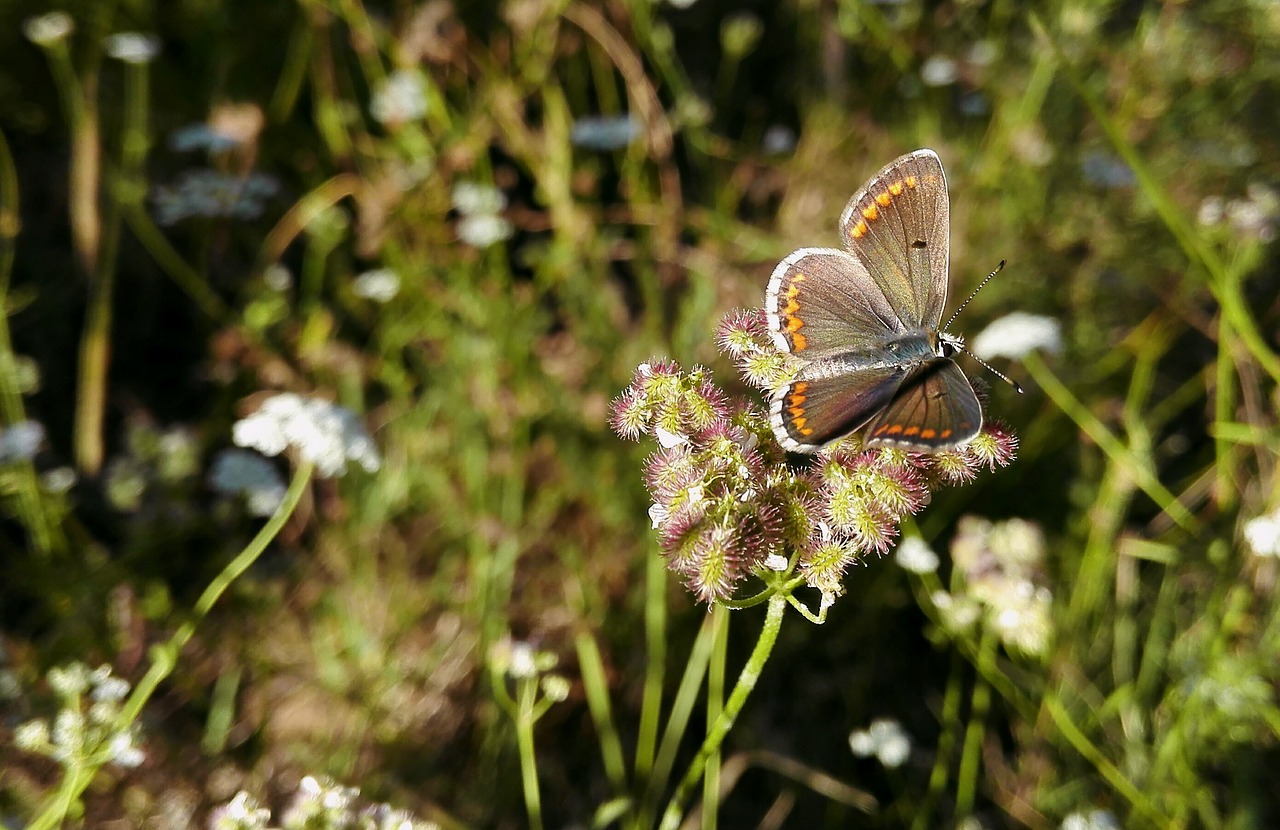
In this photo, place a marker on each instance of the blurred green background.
(562, 190)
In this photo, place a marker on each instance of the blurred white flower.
(213, 194)
(320, 804)
(938, 70)
(48, 29)
(323, 433)
(604, 132)
(472, 198)
(58, 480)
(1015, 335)
(658, 513)
(1091, 820)
(401, 98)
(885, 739)
(778, 139)
(240, 472)
(1262, 534)
(201, 136)
(915, 555)
(982, 53)
(483, 230)
(132, 47)
(241, 813)
(277, 277)
(379, 285)
(21, 441)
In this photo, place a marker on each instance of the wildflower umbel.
(727, 504)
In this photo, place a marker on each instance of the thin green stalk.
(737, 699)
(167, 257)
(971, 755)
(528, 760)
(682, 707)
(1109, 771)
(1115, 450)
(164, 657)
(949, 719)
(715, 705)
(655, 627)
(596, 689)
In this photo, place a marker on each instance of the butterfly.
(863, 323)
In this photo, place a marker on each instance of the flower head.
(239, 472)
(49, 28)
(1015, 335)
(323, 433)
(132, 47)
(400, 98)
(379, 285)
(885, 739)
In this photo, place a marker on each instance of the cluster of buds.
(726, 501)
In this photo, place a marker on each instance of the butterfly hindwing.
(822, 300)
(898, 226)
(812, 411)
(934, 409)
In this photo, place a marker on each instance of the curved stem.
(741, 690)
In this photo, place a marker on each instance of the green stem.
(525, 719)
(741, 691)
(715, 705)
(164, 657)
(971, 756)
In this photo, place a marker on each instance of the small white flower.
(658, 513)
(481, 230)
(132, 47)
(938, 71)
(1017, 334)
(778, 139)
(522, 662)
(556, 688)
(48, 29)
(58, 480)
(21, 441)
(914, 555)
(277, 277)
(239, 472)
(32, 735)
(380, 285)
(473, 199)
(885, 739)
(670, 440)
(323, 433)
(776, 562)
(1263, 534)
(123, 752)
(402, 97)
(1091, 820)
(828, 600)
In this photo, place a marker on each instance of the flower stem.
(164, 657)
(737, 698)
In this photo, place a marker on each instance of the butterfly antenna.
(956, 313)
(1016, 386)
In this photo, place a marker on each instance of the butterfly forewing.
(822, 300)
(898, 227)
(812, 411)
(934, 409)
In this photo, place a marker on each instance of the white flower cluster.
(481, 223)
(132, 47)
(1017, 334)
(400, 98)
(48, 29)
(914, 554)
(1262, 534)
(1091, 820)
(885, 739)
(1001, 566)
(318, 803)
(379, 285)
(84, 732)
(21, 441)
(240, 472)
(213, 194)
(323, 433)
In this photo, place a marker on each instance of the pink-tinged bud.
(995, 446)
(824, 565)
(741, 331)
(954, 466)
(629, 416)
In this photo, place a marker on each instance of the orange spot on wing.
(884, 199)
(928, 433)
(893, 430)
(911, 431)
(871, 212)
(799, 341)
(912, 181)
(946, 433)
(896, 188)
(859, 230)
